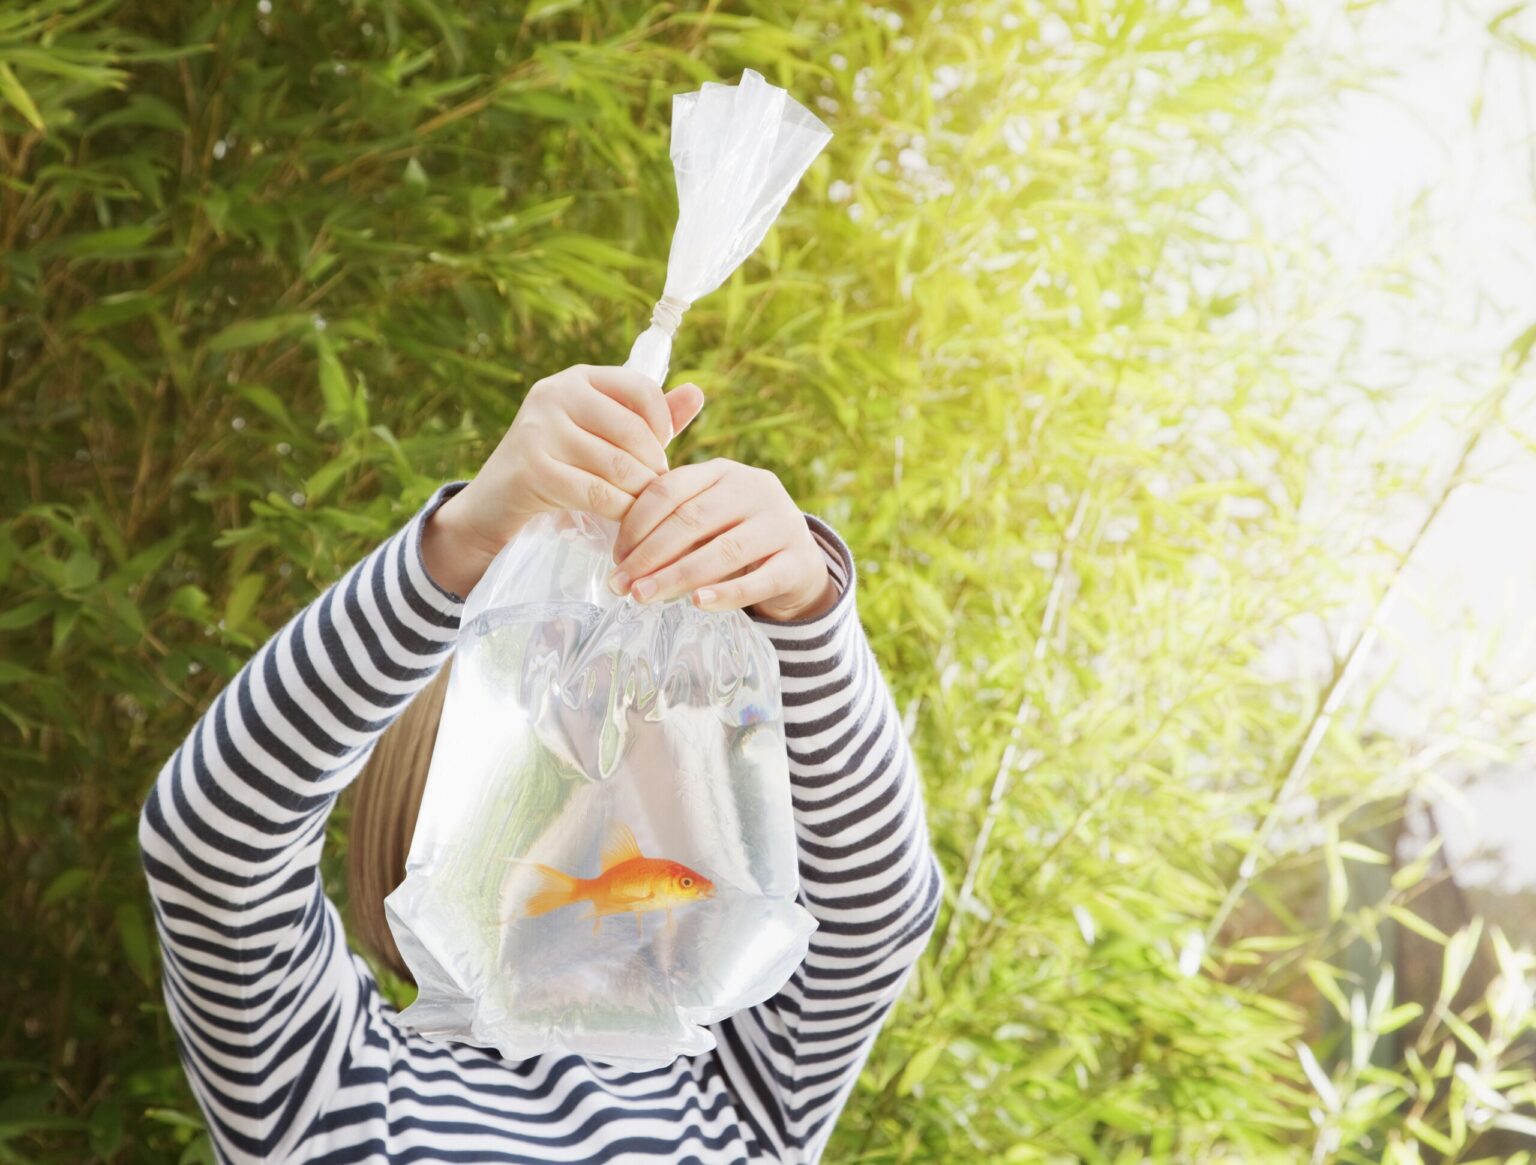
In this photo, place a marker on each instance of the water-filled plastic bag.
(605, 857)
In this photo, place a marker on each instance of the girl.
(290, 1048)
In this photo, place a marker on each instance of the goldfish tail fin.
(556, 890)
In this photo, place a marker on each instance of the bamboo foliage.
(270, 272)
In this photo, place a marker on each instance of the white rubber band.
(668, 313)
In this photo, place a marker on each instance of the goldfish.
(629, 882)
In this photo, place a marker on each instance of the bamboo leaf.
(134, 937)
(1418, 925)
(11, 89)
(250, 333)
(242, 600)
(66, 885)
(918, 1068)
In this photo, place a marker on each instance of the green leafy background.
(271, 272)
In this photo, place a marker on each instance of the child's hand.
(588, 438)
(725, 528)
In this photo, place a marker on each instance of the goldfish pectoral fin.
(625, 899)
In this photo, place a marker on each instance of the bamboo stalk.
(1347, 670)
(1023, 718)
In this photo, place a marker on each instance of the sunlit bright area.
(1422, 191)
(1131, 756)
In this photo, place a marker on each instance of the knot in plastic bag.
(668, 314)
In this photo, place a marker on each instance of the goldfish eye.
(687, 882)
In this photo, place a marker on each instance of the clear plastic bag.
(605, 858)
(738, 152)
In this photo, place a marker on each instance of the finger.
(605, 417)
(693, 524)
(639, 393)
(663, 496)
(734, 549)
(588, 492)
(758, 585)
(685, 402)
(585, 450)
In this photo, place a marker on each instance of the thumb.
(684, 403)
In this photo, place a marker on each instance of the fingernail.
(618, 582)
(645, 588)
(706, 595)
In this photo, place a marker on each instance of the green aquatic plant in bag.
(605, 858)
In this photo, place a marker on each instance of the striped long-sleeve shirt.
(291, 1050)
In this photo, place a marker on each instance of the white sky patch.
(1438, 163)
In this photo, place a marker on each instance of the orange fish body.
(629, 883)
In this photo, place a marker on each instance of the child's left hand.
(727, 528)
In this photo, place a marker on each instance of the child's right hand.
(589, 438)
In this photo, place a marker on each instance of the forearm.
(282, 739)
(258, 982)
(867, 873)
(867, 869)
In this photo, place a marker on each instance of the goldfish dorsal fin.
(622, 846)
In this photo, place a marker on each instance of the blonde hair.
(386, 798)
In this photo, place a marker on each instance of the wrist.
(455, 554)
(824, 601)
(821, 600)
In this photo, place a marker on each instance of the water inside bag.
(572, 713)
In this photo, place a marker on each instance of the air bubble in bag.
(638, 748)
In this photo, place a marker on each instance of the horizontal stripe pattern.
(292, 1052)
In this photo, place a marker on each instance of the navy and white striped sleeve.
(867, 872)
(260, 987)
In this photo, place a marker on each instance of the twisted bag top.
(738, 152)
